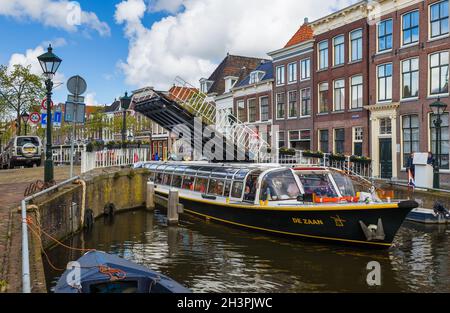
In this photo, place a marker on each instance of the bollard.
(150, 203)
(172, 207)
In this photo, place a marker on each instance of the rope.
(112, 273)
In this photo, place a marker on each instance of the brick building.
(409, 60)
(292, 95)
(340, 87)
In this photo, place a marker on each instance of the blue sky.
(85, 53)
(148, 42)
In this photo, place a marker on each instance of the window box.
(337, 157)
(286, 151)
(312, 154)
(360, 159)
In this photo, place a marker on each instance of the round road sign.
(76, 85)
(35, 118)
(44, 104)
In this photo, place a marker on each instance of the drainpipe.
(83, 200)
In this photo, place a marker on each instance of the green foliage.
(287, 151)
(19, 91)
(313, 154)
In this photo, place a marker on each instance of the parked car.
(22, 151)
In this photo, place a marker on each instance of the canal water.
(209, 257)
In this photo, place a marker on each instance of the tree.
(19, 90)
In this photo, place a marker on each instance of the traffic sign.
(57, 119)
(74, 112)
(35, 118)
(44, 104)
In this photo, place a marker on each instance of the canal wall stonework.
(60, 214)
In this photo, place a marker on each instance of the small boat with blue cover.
(99, 272)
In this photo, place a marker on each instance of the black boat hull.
(339, 224)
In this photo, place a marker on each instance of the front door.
(386, 158)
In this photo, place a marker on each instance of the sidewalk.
(12, 187)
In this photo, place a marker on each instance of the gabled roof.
(304, 33)
(232, 65)
(266, 67)
(114, 107)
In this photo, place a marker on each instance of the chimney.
(306, 21)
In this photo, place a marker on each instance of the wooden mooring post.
(150, 203)
(172, 207)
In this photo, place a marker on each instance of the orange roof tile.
(304, 33)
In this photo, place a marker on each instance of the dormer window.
(230, 81)
(256, 76)
(205, 85)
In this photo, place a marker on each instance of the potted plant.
(337, 157)
(286, 151)
(360, 159)
(312, 154)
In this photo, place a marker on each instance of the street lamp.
(50, 64)
(438, 108)
(25, 118)
(124, 106)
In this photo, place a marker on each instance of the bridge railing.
(112, 158)
(61, 154)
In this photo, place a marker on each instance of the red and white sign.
(35, 118)
(44, 104)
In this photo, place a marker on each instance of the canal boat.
(305, 202)
(99, 272)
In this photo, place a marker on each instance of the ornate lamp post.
(438, 108)
(25, 118)
(124, 106)
(50, 64)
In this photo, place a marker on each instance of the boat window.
(166, 179)
(115, 287)
(279, 185)
(216, 187)
(344, 184)
(153, 166)
(159, 178)
(236, 190)
(176, 181)
(250, 188)
(241, 174)
(180, 169)
(227, 188)
(318, 183)
(201, 184)
(188, 182)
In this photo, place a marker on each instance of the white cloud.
(64, 14)
(90, 98)
(29, 58)
(191, 42)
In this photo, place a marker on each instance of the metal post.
(26, 285)
(437, 124)
(48, 170)
(124, 125)
(72, 146)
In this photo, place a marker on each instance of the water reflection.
(208, 257)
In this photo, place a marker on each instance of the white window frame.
(334, 95)
(350, 55)
(351, 92)
(294, 64)
(401, 78)
(289, 106)
(301, 102)
(281, 79)
(429, 75)
(343, 50)
(307, 63)
(268, 108)
(318, 97)
(402, 30)
(354, 140)
(248, 111)
(377, 39)
(276, 106)
(327, 58)
(429, 23)
(377, 83)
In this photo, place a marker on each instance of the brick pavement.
(12, 187)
